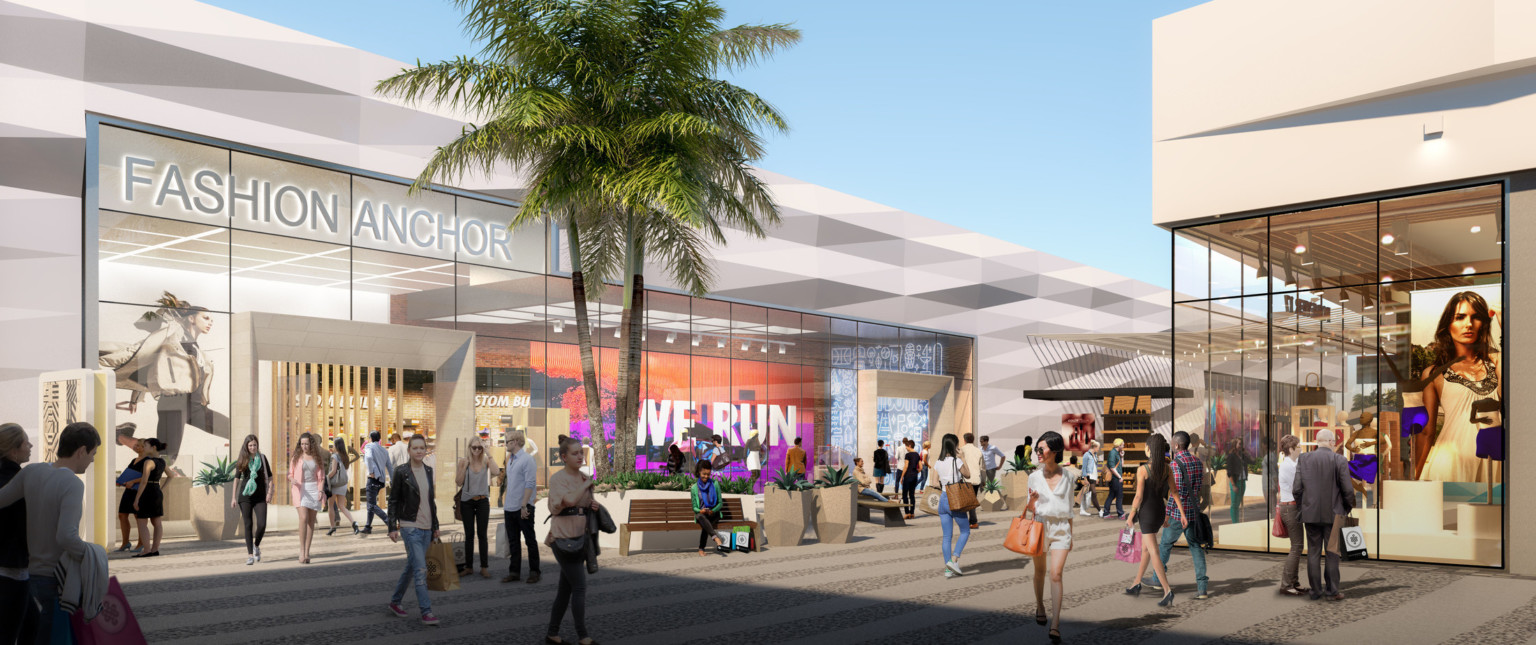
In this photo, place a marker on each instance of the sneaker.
(948, 573)
(429, 619)
(250, 560)
(1203, 596)
(1084, 513)
(396, 609)
(258, 554)
(955, 567)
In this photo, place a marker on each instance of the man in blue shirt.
(376, 458)
(522, 484)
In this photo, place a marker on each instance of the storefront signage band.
(299, 210)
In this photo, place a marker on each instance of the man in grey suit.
(1322, 479)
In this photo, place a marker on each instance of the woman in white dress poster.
(1473, 372)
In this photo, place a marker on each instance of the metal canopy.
(1091, 394)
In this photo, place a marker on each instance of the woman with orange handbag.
(1050, 496)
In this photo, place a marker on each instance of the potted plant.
(837, 506)
(786, 509)
(1016, 482)
(212, 517)
(992, 496)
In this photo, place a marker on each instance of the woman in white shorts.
(1050, 495)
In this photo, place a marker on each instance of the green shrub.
(221, 472)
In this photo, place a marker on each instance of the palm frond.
(747, 45)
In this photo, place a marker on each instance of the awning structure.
(1094, 394)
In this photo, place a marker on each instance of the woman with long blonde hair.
(304, 472)
(474, 476)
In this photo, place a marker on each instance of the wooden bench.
(893, 511)
(676, 515)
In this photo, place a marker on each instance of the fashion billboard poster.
(1456, 350)
(172, 366)
(1079, 430)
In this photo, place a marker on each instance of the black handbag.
(1309, 394)
(575, 547)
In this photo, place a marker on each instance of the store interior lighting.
(671, 336)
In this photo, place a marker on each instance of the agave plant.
(1219, 461)
(218, 473)
(788, 481)
(992, 486)
(836, 477)
(1020, 464)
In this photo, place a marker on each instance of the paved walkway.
(885, 587)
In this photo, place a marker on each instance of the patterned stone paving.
(885, 587)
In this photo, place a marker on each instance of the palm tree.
(614, 111)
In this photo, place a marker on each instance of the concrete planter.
(212, 518)
(837, 510)
(1016, 489)
(994, 502)
(785, 516)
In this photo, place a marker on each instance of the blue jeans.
(871, 492)
(922, 478)
(45, 590)
(374, 486)
(946, 520)
(1171, 533)
(416, 542)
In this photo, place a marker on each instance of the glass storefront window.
(284, 274)
(144, 258)
(1379, 322)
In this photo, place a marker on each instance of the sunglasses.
(476, 448)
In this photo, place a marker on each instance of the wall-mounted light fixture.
(1301, 243)
(559, 326)
(697, 340)
(1434, 127)
(1399, 237)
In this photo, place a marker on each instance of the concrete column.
(1520, 374)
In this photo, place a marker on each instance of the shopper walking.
(18, 614)
(253, 492)
(1113, 461)
(474, 481)
(1324, 493)
(971, 455)
(912, 464)
(149, 504)
(1290, 516)
(1090, 477)
(1237, 477)
(376, 461)
(53, 493)
(338, 479)
(866, 483)
(992, 457)
(1188, 480)
(413, 519)
(1153, 481)
(1050, 495)
(708, 504)
(570, 498)
(922, 466)
(522, 484)
(882, 466)
(304, 473)
(952, 470)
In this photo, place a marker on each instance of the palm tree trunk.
(588, 366)
(627, 414)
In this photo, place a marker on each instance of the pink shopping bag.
(1128, 547)
(115, 625)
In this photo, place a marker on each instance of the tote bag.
(1026, 536)
(442, 568)
(115, 625)
(1126, 548)
(962, 497)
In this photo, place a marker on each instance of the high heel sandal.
(1133, 591)
(1039, 615)
(1167, 600)
(1055, 635)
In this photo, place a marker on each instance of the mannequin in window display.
(169, 366)
(1363, 444)
(1465, 392)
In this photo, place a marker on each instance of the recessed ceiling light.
(671, 336)
(1477, 229)
(1468, 271)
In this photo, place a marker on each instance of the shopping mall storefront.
(1335, 317)
(308, 297)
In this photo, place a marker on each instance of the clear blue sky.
(1028, 121)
